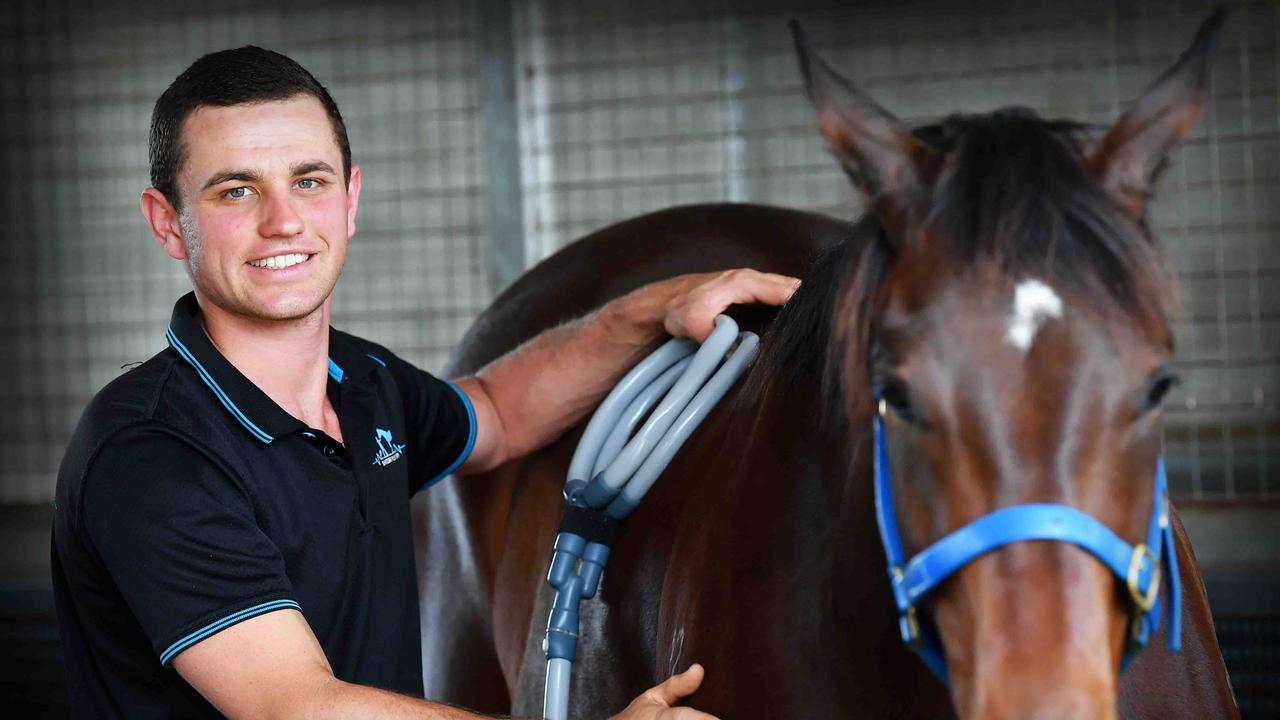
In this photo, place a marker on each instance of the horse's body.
(1006, 303)
(755, 554)
(489, 536)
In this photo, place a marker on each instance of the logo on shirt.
(388, 450)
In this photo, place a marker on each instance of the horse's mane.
(1016, 197)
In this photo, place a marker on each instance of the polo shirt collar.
(248, 405)
(348, 360)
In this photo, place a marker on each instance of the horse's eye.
(1157, 389)
(895, 394)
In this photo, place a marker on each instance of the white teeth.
(279, 262)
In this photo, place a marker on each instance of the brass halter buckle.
(1144, 601)
(911, 628)
(913, 624)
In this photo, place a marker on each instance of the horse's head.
(1010, 322)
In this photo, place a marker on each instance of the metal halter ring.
(1146, 600)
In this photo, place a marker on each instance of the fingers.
(739, 287)
(686, 714)
(763, 287)
(669, 691)
(655, 703)
(775, 289)
(692, 312)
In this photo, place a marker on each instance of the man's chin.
(276, 310)
(285, 312)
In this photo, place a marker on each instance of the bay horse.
(757, 553)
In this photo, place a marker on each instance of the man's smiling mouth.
(280, 262)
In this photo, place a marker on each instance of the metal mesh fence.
(631, 106)
(622, 108)
(1251, 649)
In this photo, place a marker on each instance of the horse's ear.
(878, 151)
(1128, 157)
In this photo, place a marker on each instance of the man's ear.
(353, 200)
(164, 222)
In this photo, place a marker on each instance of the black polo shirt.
(188, 501)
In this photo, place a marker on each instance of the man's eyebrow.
(304, 168)
(230, 175)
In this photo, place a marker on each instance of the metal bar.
(504, 193)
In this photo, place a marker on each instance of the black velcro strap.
(591, 525)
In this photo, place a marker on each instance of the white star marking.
(1034, 303)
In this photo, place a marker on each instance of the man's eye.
(237, 193)
(308, 183)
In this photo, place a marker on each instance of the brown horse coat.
(755, 554)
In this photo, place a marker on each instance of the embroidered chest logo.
(388, 450)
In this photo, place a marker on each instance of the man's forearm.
(347, 700)
(553, 380)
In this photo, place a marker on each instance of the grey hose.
(611, 474)
(606, 416)
(605, 486)
(692, 416)
(635, 412)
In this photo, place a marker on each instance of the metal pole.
(504, 193)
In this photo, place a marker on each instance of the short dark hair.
(248, 74)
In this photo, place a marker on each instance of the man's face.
(266, 215)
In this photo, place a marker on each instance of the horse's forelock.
(1018, 196)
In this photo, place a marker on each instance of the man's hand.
(528, 397)
(655, 703)
(694, 301)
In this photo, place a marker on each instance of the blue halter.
(1139, 567)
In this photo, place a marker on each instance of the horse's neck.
(791, 548)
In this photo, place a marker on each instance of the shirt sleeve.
(439, 421)
(176, 532)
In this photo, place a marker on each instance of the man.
(232, 530)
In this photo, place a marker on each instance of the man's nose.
(279, 217)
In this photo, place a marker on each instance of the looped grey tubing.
(635, 413)
(692, 416)
(670, 370)
(604, 487)
(616, 402)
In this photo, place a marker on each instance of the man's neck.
(287, 359)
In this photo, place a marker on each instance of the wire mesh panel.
(94, 290)
(628, 107)
(623, 108)
(621, 113)
(1251, 649)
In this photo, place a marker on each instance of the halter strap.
(1139, 567)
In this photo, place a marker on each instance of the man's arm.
(272, 666)
(528, 397)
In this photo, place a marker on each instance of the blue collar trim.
(248, 405)
(217, 390)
